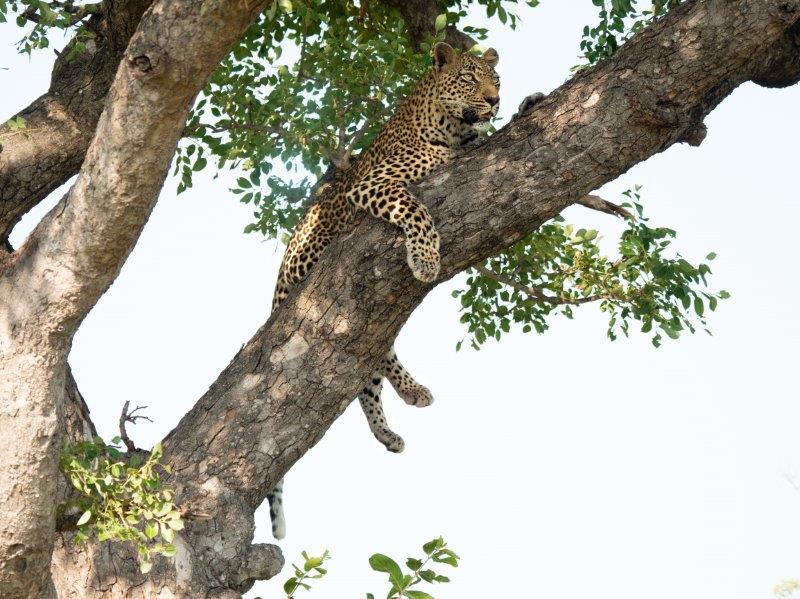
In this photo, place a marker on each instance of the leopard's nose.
(492, 100)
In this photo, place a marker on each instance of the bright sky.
(558, 466)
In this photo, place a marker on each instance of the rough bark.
(76, 252)
(299, 372)
(61, 123)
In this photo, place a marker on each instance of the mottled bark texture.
(299, 372)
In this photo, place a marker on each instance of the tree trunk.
(283, 390)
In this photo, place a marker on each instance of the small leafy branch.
(435, 551)
(558, 268)
(312, 570)
(419, 570)
(120, 498)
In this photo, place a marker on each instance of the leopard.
(453, 103)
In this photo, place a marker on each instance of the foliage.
(45, 16)
(617, 21)
(312, 570)
(420, 570)
(121, 499)
(308, 86)
(557, 268)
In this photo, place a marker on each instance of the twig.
(132, 418)
(536, 294)
(597, 203)
(77, 14)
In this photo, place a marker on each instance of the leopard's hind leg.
(370, 398)
(410, 390)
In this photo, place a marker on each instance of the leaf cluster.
(558, 268)
(308, 86)
(419, 570)
(617, 21)
(44, 16)
(121, 498)
(312, 570)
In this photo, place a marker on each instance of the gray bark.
(287, 385)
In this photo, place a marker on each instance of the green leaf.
(84, 518)
(417, 595)
(441, 22)
(312, 563)
(433, 545)
(290, 585)
(383, 563)
(413, 564)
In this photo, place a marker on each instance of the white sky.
(558, 466)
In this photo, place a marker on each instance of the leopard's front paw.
(422, 255)
(528, 103)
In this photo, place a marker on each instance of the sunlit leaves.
(121, 499)
(557, 268)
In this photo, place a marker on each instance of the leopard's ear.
(491, 57)
(443, 54)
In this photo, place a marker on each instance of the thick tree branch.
(76, 252)
(61, 123)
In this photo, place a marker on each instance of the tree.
(121, 100)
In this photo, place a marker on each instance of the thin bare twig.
(535, 293)
(597, 203)
(131, 417)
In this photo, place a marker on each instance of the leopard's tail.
(275, 498)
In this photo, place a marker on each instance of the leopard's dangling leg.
(370, 398)
(410, 390)
(413, 393)
(275, 499)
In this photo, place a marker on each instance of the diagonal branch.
(300, 370)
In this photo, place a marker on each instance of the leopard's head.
(467, 86)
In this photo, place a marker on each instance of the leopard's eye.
(469, 78)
